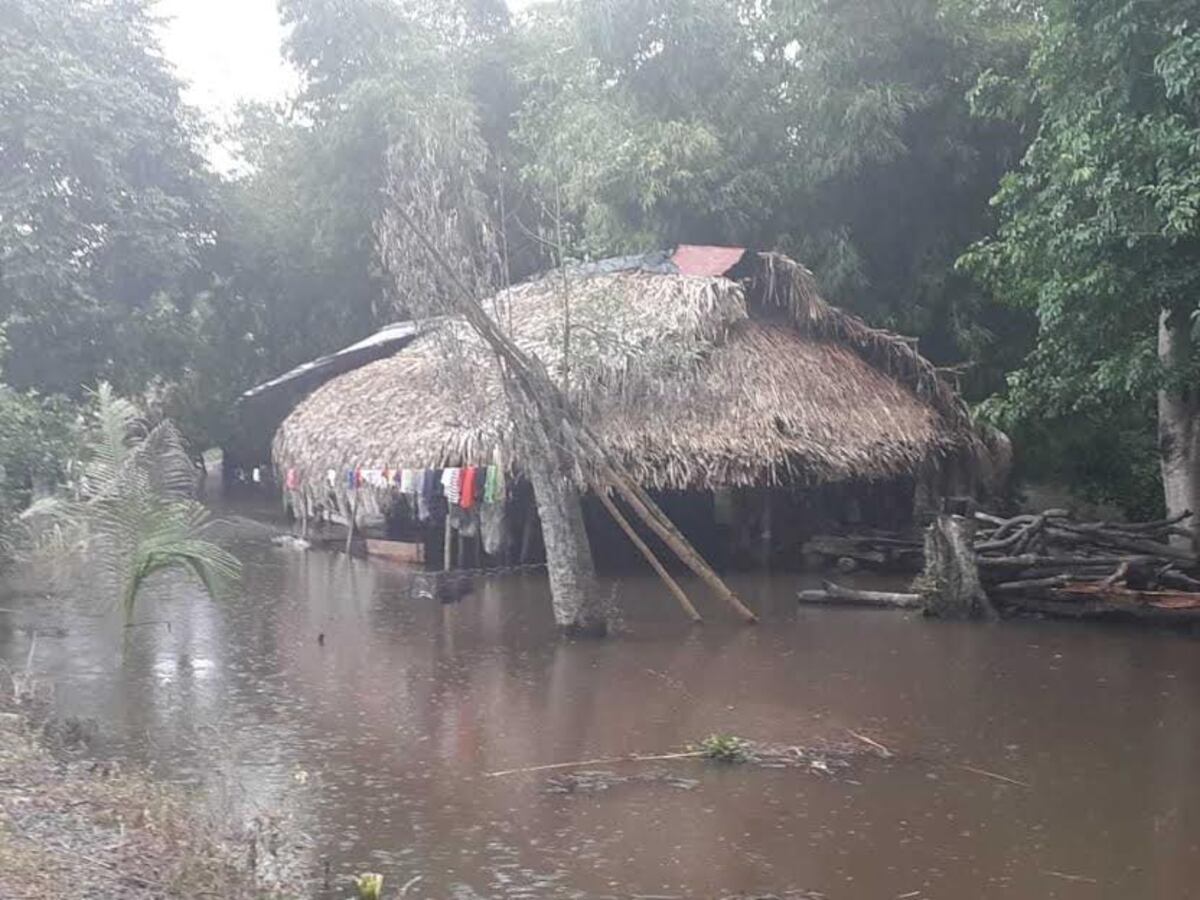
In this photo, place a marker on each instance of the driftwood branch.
(836, 595)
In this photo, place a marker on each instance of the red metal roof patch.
(690, 259)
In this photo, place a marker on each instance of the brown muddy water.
(379, 741)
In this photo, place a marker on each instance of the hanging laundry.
(385, 477)
(470, 476)
(452, 485)
(463, 521)
(292, 482)
(489, 484)
(256, 475)
(350, 479)
(426, 484)
(491, 527)
(331, 478)
(498, 486)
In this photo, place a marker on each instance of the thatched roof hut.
(739, 376)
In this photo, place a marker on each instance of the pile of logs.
(1048, 563)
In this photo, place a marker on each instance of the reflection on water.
(397, 717)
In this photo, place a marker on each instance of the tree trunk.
(1178, 429)
(950, 586)
(578, 607)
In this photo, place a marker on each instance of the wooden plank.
(397, 551)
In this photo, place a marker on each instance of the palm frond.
(134, 514)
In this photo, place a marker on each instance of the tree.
(1100, 227)
(837, 132)
(653, 120)
(104, 205)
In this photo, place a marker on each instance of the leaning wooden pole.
(636, 540)
(648, 512)
(554, 415)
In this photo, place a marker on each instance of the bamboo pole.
(650, 513)
(682, 548)
(604, 760)
(633, 536)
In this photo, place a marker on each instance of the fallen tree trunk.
(836, 595)
(1100, 609)
(1036, 561)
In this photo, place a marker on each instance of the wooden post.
(448, 546)
(527, 524)
(633, 536)
(351, 522)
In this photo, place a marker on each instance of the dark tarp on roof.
(307, 376)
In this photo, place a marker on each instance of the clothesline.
(462, 486)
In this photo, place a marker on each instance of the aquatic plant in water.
(724, 748)
(369, 886)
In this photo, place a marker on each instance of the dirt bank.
(73, 828)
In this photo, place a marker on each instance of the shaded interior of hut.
(738, 529)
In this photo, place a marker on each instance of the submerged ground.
(1032, 759)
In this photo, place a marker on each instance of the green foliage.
(1099, 229)
(39, 437)
(1110, 460)
(132, 511)
(725, 748)
(863, 138)
(838, 132)
(104, 205)
(368, 886)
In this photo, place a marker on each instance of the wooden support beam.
(646, 552)
(654, 518)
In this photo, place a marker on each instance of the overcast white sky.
(228, 50)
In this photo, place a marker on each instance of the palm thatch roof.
(698, 382)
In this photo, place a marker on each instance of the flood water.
(379, 742)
